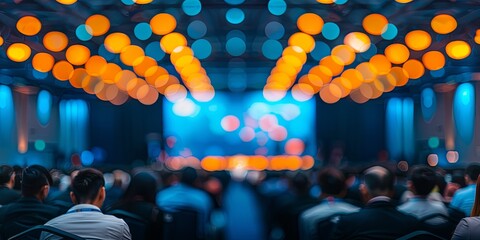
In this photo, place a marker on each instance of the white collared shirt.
(88, 221)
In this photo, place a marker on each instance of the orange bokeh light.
(29, 25)
(55, 41)
(375, 23)
(43, 62)
(77, 54)
(163, 24)
(310, 23)
(62, 70)
(99, 24)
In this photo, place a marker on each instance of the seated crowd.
(329, 203)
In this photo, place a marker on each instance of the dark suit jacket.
(378, 220)
(8, 195)
(24, 214)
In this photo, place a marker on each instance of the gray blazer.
(468, 228)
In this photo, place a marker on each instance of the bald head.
(378, 181)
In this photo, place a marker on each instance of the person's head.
(332, 182)
(471, 173)
(422, 180)
(88, 187)
(7, 176)
(188, 176)
(378, 181)
(300, 183)
(142, 186)
(36, 181)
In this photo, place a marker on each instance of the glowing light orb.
(230, 123)
(458, 49)
(29, 25)
(18, 52)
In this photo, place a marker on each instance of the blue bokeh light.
(102, 51)
(44, 107)
(277, 7)
(234, 2)
(40, 145)
(369, 53)
(274, 30)
(87, 158)
(202, 48)
(320, 51)
(235, 46)
(272, 49)
(143, 31)
(128, 2)
(235, 16)
(390, 33)
(39, 75)
(340, 2)
(83, 32)
(236, 33)
(428, 104)
(237, 80)
(192, 7)
(197, 29)
(330, 31)
(154, 51)
(464, 111)
(438, 73)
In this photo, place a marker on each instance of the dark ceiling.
(414, 15)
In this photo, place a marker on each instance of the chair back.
(34, 233)
(138, 226)
(421, 235)
(439, 224)
(181, 224)
(325, 226)
(21, 223)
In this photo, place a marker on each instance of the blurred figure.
(469, 227)
(334, 188)
(121, 180)
(29, 210)
(464, 198)
(139, 199)
(379, 219)
(292, 205)
(85, 219)
(185, 196)
(7, 181)
(421, 182)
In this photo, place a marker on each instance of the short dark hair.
(6, 173)
(86, 184)
(472, 171)
(331, 181)
(423, 179)
(33, 179)
(143, 184)
(378, 180)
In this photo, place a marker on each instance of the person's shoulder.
(113, 219)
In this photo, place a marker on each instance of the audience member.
(85, 219)
(7, 181)
(139, 199)
(291, 205)
(333, 187)
(469, 227)
(185, 196)
(421, 181)
(29, 210)
(463, 198)
(379, 219)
